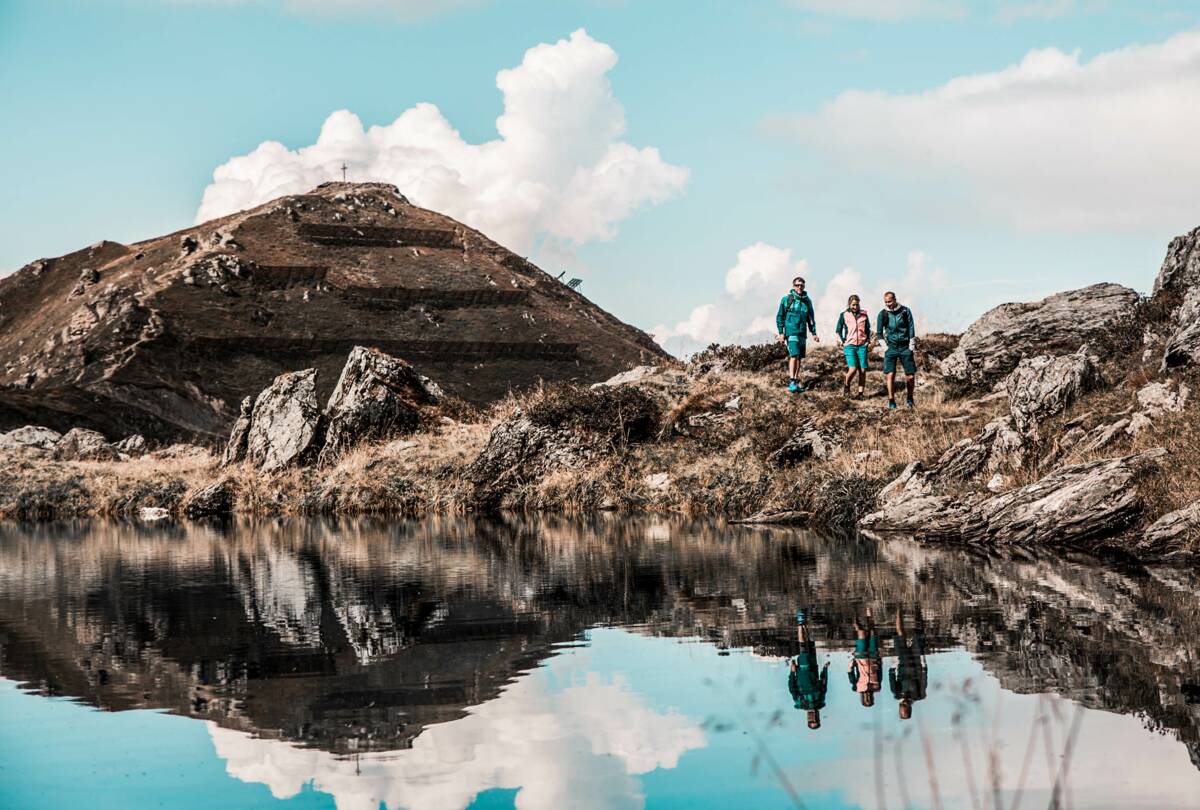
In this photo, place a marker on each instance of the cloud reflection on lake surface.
(614, 662)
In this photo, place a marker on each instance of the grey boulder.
(80, 444)
(284, 421)
(994, 345)
(30, 437)
(1043, 386)
(1181, 267)
(376, 397)
(132, 446)
(239, 437)
(214, 499)
(1072, 504)
(1179, 527)
(1183, 346)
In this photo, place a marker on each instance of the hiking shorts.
(902, 356)
(795, 344)
(856, 356)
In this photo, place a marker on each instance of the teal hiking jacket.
(896, 326)
(795, 312)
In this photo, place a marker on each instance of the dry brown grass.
(716, 457)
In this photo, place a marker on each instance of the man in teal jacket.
(897, 328)
(794, 316)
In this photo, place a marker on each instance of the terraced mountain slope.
(165, 336)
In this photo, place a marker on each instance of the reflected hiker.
(793, 321)
(896, 328)
(866, 667)
(854, 332)
(806, 681)
(910, 679)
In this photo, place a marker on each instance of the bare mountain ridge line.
(111, 335)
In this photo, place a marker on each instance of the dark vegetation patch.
(165, 492)
(742, 358)
(618, 415)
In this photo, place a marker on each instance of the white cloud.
(745, 312)
(1053, 142)
(578, 747)
(913, 289)
(558, 169)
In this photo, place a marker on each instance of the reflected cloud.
(576, 747)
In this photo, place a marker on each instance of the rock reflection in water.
(359, 637)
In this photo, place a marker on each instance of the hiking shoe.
(801, 617)
(792, 386)
(859, 396)
(800, 389)
(909, 402)
(846, 391)
(891, 404)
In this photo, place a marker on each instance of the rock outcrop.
(165, 338)
(993, 346)
(1181, 527)
(563, 428)
(1181, 268)
(283, 424)
(1183, 346)
(1155, 400)
(213, 500)
(132, 446)
(806, 442)
(1070, 506)
(30, 437)
(376, 397)
(79, 444)
(1043, 386)
(237, 446)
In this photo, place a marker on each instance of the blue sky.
(790, 135)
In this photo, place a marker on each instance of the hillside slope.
(165, 337)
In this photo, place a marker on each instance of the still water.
(560, 664)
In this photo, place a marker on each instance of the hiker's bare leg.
(891, 384)
(849, 377)
(899, 622)
(803, 633)
(910, 382)
(793, 367)
(859, 630)
(862, 380)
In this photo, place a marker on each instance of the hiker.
(806, 681)
(865, 666)
(794, 315)
(897, 329)
(854, 332)
(910, 678)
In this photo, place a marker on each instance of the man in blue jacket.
(897, 329)
(794, 316)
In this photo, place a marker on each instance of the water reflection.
(314, 648)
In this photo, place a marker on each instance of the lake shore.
(720, 436)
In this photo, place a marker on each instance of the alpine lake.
(616, 661)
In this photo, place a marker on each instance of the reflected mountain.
(359, 636)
